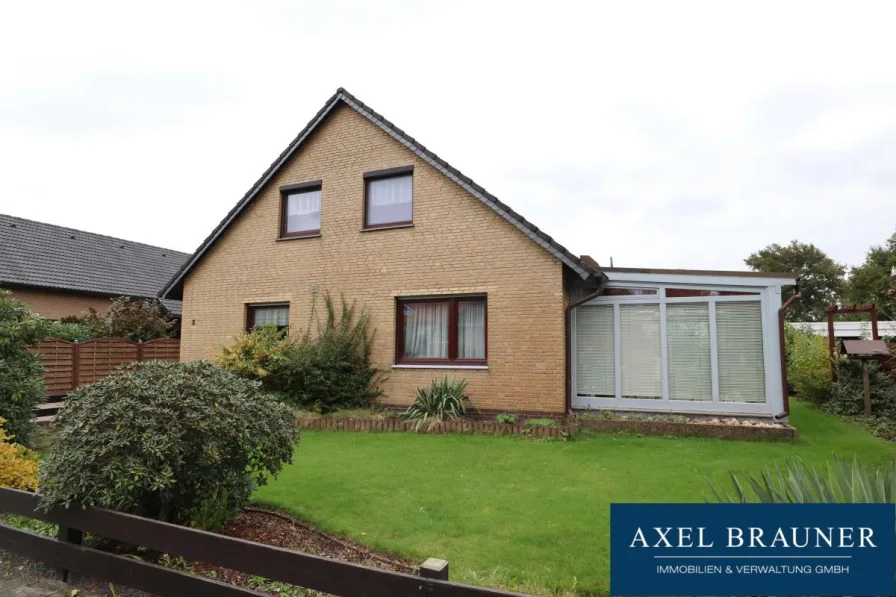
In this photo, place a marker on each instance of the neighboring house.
(459, 284)
(849, 330)
(60, 271)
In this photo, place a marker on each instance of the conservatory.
(680, 341)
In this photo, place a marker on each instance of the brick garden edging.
(719, 431)
(467, 426)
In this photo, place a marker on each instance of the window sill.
(435, 366)
(395, 227)
(299, 237)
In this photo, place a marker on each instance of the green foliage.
(161, 439)
(323, 372)
(443, 399)
(848, 393)
(505, 419)
(842, 482)
(276, 587)
(808, 364)
(822, 279)
(872, 283)
(21, 373)
(72, 331)
(32, 525)
(542, 422)
(138, 320)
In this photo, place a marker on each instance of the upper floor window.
(389, 198)
(300, 210)
(268, 314)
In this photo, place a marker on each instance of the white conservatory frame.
(768, 291)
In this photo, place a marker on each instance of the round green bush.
(179, 442)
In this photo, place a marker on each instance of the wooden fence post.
(76, 363)
(67, 535)
(140, 351)
(434, 568)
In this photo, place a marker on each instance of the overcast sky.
(666, 134)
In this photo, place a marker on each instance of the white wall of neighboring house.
(849, 329)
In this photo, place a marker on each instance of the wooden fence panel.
(98, 358)
(161, 349)
(72, 364)
(58, 357)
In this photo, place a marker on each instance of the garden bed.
(715, 428)
(557, 431)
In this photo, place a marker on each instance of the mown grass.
(523, 514)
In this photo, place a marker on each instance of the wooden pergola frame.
(834, 310)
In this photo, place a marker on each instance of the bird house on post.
(865, 350)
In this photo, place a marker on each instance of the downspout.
(785, 386)
(581, 301)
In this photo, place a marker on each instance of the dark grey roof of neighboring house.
(174, 288)
(39, 255)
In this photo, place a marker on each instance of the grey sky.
(666, 134)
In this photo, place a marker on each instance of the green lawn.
(519, 513)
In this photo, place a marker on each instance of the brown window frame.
(292, 189)
(250, 314)
(453, 302)
(382, 175)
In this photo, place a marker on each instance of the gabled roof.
(38, 255)
(174, 288)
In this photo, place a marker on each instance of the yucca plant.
(442, 400)
(842, 481)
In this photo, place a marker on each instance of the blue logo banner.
(752, 550)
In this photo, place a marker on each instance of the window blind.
(640, 355)
(688, 351)
(595, 351)
(739, 337)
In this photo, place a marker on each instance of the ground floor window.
(442, 330)
(267, 314)
(699, 346)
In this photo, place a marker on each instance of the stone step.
(45, 406)
(44, 420)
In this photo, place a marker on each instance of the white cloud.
(683, 134)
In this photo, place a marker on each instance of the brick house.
(60, 272)
(456, 282)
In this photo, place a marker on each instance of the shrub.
(848, 393)
(21, 373)
(442, 400)
(798, 483)
(164, 440)
(505, 419)
(323, 372)
(18, 464)
(138, 320)
(73, 332)
(541, 422)
(808, 364)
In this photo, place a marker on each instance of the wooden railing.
(72, 364)
(329, 576)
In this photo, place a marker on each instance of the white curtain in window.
(303, 211)
(690, 364)
(278, 316)
(390, 200)
(641, 358)
(471, 329)
(595, 351)
(741, 364)
(426, 330)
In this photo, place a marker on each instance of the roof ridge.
(79, 231)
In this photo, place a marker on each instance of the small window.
(300, 210)
(449, 330)
(270, 314)
(613, 291)
(389, 198)
(688, 292)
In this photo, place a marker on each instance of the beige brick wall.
(457, 245)
(56, 305)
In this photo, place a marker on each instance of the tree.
(180, 442)
(822, 280)
(21, 372)
(873, 282)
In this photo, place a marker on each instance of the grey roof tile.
(42, 255)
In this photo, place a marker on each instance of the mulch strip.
(279, 530)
